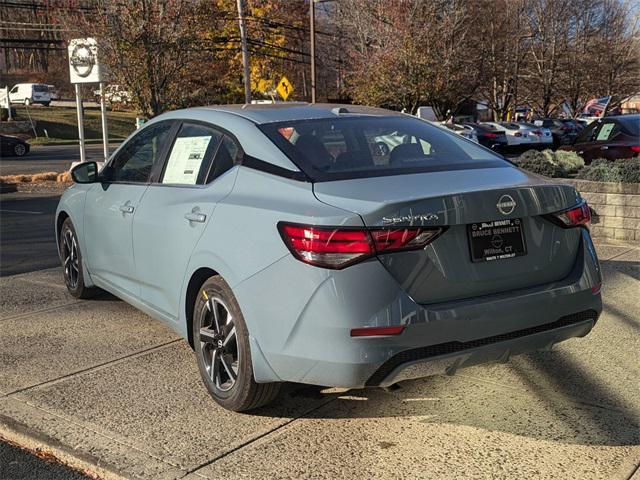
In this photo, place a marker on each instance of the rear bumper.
(448, 357)
(300, 330)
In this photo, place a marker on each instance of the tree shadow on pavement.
(547, 396)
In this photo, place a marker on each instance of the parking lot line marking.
(92, 368)
(28, 212)
(41, 310)
(260, 436)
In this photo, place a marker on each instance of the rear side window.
(356, 147)
(607, 131)
(199, 155)
(137, 158)
(191, 154)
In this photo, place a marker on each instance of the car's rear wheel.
(221, 343)
(72, 262)
(19, 149)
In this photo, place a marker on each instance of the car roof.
(287, 111)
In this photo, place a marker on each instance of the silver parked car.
(330, 245)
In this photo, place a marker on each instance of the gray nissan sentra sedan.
(330, 245)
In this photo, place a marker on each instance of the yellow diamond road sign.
(284, 88)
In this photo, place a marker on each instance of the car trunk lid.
(458, 200)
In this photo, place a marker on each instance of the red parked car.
(612, 138)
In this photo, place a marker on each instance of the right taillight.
(635, 148)
(577, 216)
(339, 247)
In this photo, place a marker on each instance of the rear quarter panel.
(242, 237)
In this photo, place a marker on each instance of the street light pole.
(245, 54)
(312, 25)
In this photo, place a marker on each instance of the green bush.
(602, 170)
(547, 163)
(570, 162)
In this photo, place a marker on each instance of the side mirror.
(86, 172)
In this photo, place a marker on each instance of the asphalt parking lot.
(26, 232)
(102, 386)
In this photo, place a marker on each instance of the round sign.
(82, 60)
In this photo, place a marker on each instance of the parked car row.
(43, 94)
(612, 138)
(501, 136)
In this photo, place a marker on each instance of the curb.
(23, 437)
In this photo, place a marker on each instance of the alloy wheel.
(19, 149)
(219, 343)
(71, 260)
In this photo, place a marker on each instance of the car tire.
(46, 104)
(221, 344)
(20, 150)
(71, 257)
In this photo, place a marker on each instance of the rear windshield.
(357, 147)
(41, 88)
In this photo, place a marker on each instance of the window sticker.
(605, 131)
(185, 160)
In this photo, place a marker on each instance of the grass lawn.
(61, 124)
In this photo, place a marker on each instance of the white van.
(30, 93)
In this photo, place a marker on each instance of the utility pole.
(245, 54)
(312, 24)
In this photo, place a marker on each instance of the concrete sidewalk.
(102, 386)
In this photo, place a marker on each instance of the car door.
(608, 141)
(174, 211)
(111, 205)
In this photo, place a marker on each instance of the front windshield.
(355, 147)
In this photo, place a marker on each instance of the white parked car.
(465, 131)
(522, 134)
(114, 94)
(538, 135)
(30, 93)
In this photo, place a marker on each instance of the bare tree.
(407, 53)
(501, 40)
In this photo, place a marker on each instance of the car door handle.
(604, 147)
(195, 217)
(126, 208)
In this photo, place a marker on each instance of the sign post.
(7, 103)
(103, 116)
(80, 121)
(85, 68)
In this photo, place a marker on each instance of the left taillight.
(577, 216)
(336, 247)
